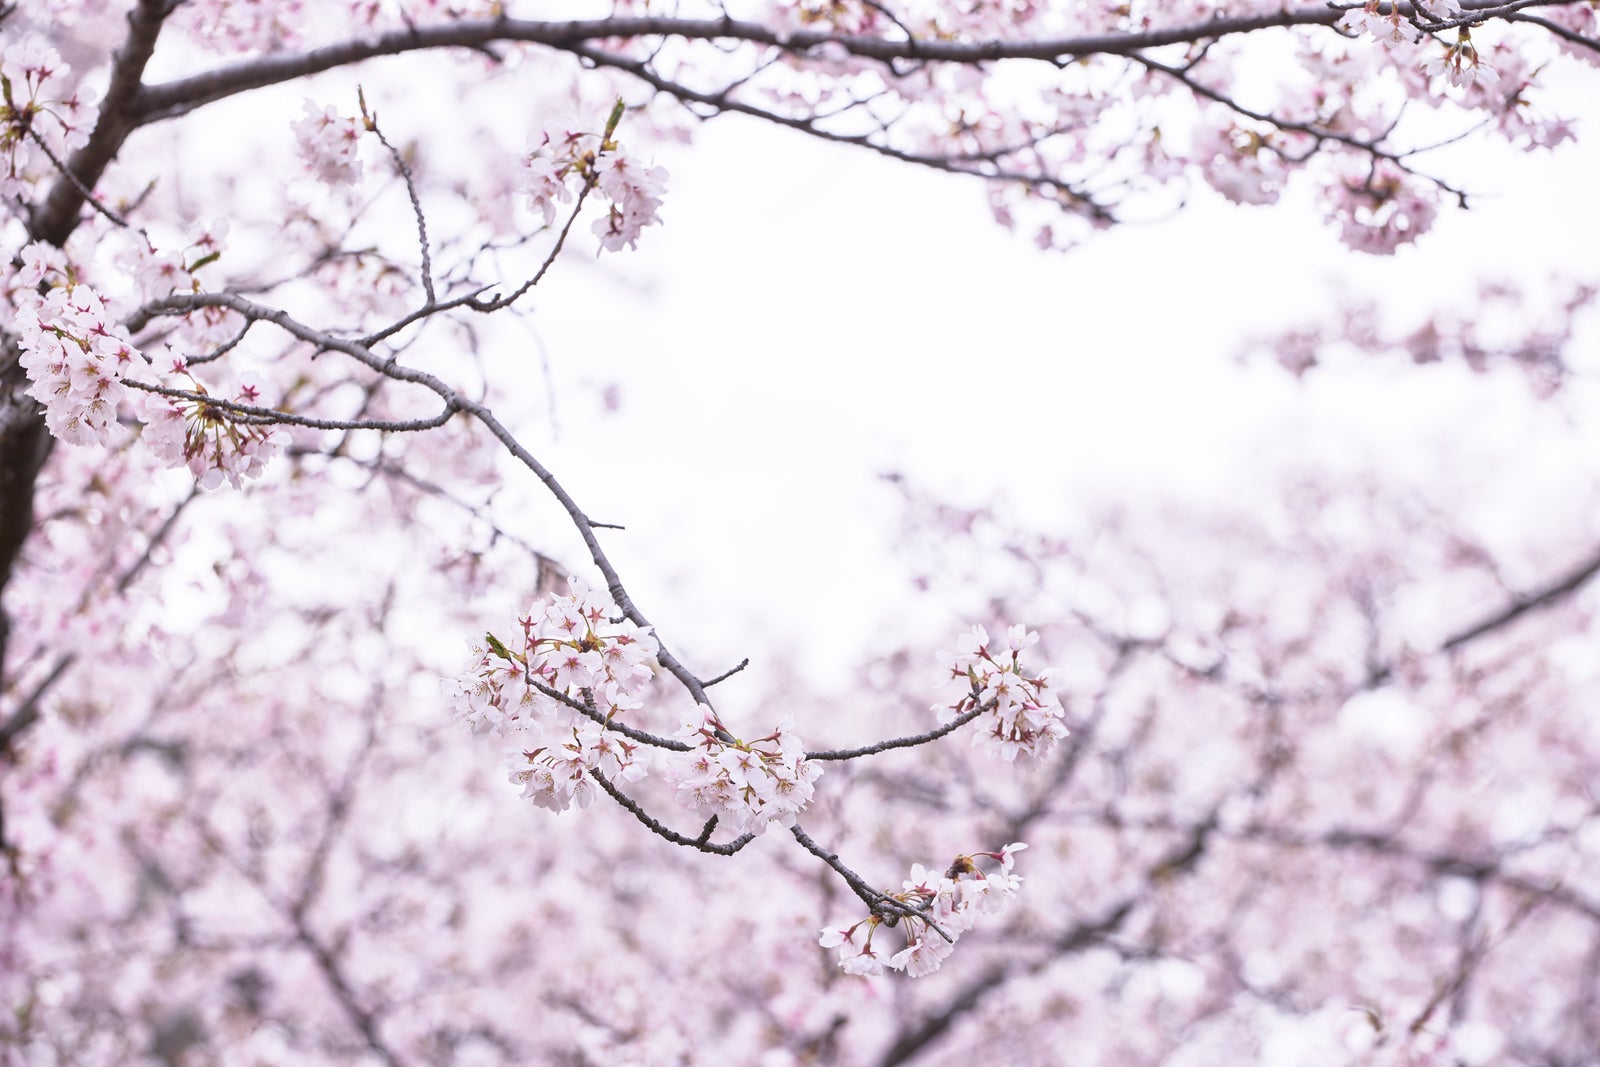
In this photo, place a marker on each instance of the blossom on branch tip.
(942, 908)
(557, 775)
(327, 143)
(1022, 716)
(635, 195)
(567, 159)
(1389, 28)
(1460, 64)
(31, 108)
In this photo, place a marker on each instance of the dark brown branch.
(184, 95)
(120, 115)
(25, 444)
(699, 844)
(902, 742)
(411, 193)
(879, 903)
(1557, 590)
(729, 673)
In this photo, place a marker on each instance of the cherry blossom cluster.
(1459, 63)
(576, 651)
(31, 109)
(1379, 206)
(328, 142)
(746, 784)
(1022, 716)
(578, 647)
(74, 354)
(945, 906)
(216, 444)
(159, 272)
(595, 161)
(554, 760)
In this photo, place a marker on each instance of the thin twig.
(699, 844)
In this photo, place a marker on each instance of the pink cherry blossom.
(1328, 791)
(328, 144)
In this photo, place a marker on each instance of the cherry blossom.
(74, 355)
(944, 907)
(565, 158)
(1390, 27)
(577, 646)
(328, 144)
(1459, 65)
(39, 113)
(747, 783)
(1020, 715)
(1313, 784)
(216, 443)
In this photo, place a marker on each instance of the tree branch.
(120, 115)
(180, 304)
(179, 97)
(1557, 590)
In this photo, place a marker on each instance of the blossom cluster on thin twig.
(37, 120)
(1025, 718)
(565, 157)
(576, 651)
(745, 783)
(191, 431)
(945, 906)
(1459, 64)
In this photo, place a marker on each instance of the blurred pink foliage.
(1312, 785)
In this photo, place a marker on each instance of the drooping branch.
(454, 401)
(878, 902)
(723, 101)
(1318, 132)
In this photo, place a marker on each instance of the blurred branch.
(1556, 591)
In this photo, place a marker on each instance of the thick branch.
(182, 96)
(25, 444)
(119, 116)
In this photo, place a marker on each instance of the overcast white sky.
(810, 316)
